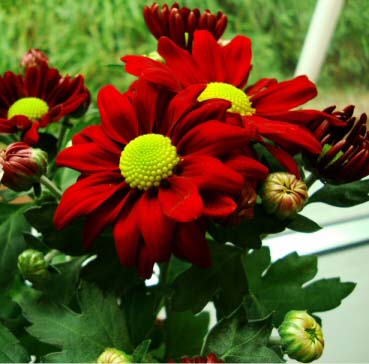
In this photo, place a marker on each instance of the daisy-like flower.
(345, 155)
(180, 23)
(40, 97)
(267, 107)
(156, 173)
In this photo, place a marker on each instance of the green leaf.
(10, 312)
(139, 306)
(10, 349)
(248, 233)
(81, 336)
(68, 240)
(107, 272)
(237, 340)
(282, 286)
(327, 294)
(140, 352)
(184, 333)
(195, 287)
(12, 243)
(303, 224)
(61, 285)
(345, 195)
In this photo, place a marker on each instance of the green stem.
(65, 125)
(310, 180)
(51, 186)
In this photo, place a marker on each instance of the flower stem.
(51, 186)
(65, 125)
(310, 180)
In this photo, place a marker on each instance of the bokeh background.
(89, 36)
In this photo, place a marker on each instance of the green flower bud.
(33, 266)
(302, 337)
(22, 166)
(114, 356)
(283, 194)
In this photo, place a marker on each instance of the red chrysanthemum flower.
(345, 155)
(156, 174)
(267, 107)
(211, 358)
(179, 24)
(38, 98)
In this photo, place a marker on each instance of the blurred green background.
(88, 36)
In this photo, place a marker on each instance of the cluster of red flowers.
(177, 149)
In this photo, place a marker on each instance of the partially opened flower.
(156, 173)
(34, 57)
(267, 108)
(21, 166)
(345, 155)
(40, 97)
(180, 23)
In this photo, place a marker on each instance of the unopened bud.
(114, 356)
(302, 337)
(34, 57)
(33, 266)
(22, 166)
(283, 194)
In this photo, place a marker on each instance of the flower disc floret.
(219, 90)
(32, 107)
(147, 160)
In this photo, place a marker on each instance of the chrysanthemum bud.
(114, 356)
(34, 57)
(22, 166)
(302, 337)
(283, 194)
(33, 266)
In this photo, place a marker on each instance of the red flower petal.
(127, 234)
(180, 201)
(284, 96)
(286, 133)
(206, 51)
(156, 229)
(285, 159)
(214, 109)
(212, 138)
(180, 61)
(118, 117)
(208, 173)
(264, 83)
(217, 205)
(153, 71)
(92, 158)
(248, 167)
(85, 196)
(237, 55)
(192, 245)
(105, 214)
(303, 116)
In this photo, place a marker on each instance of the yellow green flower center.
(147, 160)
(219, 90)
(32, 107)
